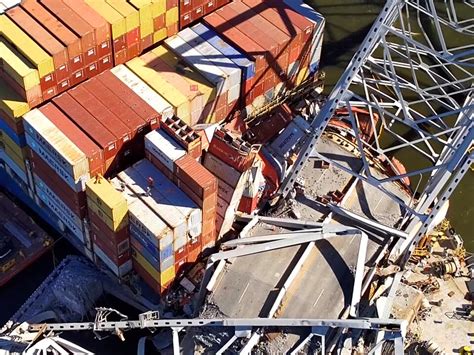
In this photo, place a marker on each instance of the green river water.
(347, 22)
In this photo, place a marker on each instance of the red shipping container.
(63, 85)
(131, 99)
(194, 250)
(104, 49)
(119, 44)
(133, 50)
(180, 265)
(76, 201)
(77, 77)
(159, 22)
(208, 240)
(209, 6)
(49, 93)
(248, 204)
(185, 5)
(33, 96)
(235, 16)
(281, 39)
(88, 124)
(120, 57)
(80, 27)
(113, 239)
(172, 29)
(132, 37)
(171, 3)
(181, 253)
(105, 63)
(146, 42)
(220, 3)
(185, 19)
(93, 153)
(198, 12)
(269, 126)
(209, 225)
(47, 41)
(233, 151)
(118, 258)
(58, 30)
(126, 115)
(47, 81)
(219, 223)
(102, 114)
(200, 180)
(101, 27)
(92, 70)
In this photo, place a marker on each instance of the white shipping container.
(229, 215)
(144, 219)
(62, 215)
(60, 147)
(117, 270)
(163, 148)
(255, 180)
(233, 93)
(180, 243)
(150, 225)
(230, 69)
(77, 186)
(150, 96)
(174, 195)
(284, 144)
(223, 171)
(195, 59)
(169, 214)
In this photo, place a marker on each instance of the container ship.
(138, 129)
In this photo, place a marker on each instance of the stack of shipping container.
(109, 225)
(192, 10)
(112, 154)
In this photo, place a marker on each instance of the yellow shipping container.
(146, 19)
(172, 16)
(161, 86)
(132, 17)
(114, 225)
(163, 278)
(8, 142)
(113, 17)
(160, 35)
(112, 203)
(10, 102)
(18, 67)
(14, 151)
(158, 8)
(40, 59)
(191, 75)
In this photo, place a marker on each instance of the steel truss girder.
(394, 325)
(416, 83)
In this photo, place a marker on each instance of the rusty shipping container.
(93, 152)
(89, 125)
